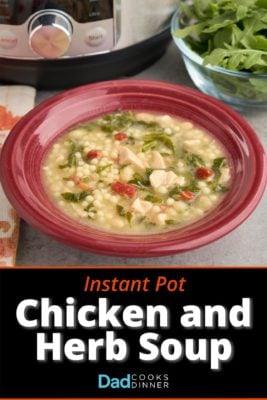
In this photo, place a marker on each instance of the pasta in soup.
(136, 173)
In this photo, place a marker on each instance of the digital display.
(16, 12)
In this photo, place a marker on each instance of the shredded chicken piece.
(167, 179)
(141, 206)
(126, 156)
(157, 161)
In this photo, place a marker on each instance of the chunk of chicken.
(126, 156)
(141, 206)
(157, 161)
(167, 179)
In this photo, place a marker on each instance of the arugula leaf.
(149, 145)
(122, 120)
(194, 160)
(149, 126)
(153, 199)
(117, 121)
(152, 139)
(191, 187)
(142, 181)
(74, 197)
(90, 208)
(170, 222)
(217, 187)
(228, 34)
(218, 163)
(72, 160)
(120, 211)
(129, 217)
(103, 167)
(123, 213)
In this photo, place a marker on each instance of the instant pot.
(64, 43)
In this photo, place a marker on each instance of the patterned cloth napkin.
(15, 101)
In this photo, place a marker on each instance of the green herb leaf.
(129, 217)
(117, 121)
(191, 187)
(152, 139)
(149, 146)
(217, 187)
(170, 222)
(72, 160)
(90, 208)
(153, 199)
(194, 160)
(74, 197)
(229, 34)
(120, 211)
(217, 165)
(123, 213)
(142, 181)
(103, 167)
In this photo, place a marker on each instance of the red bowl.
(29, 141)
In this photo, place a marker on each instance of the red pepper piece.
(124, 189)
(203, 173)
(94, 154)
(120, 136)
(186, 195)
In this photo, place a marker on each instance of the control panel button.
(96, 36)
(8, 39)
(50, 35)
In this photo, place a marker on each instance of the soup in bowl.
(133, 168)
(136, 172)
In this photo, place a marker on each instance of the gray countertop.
(247, 245)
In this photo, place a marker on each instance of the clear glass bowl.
(239, 89)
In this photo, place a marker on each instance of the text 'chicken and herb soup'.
(136, 172)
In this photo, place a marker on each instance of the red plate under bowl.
(29, 141)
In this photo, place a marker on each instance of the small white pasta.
(101, 173)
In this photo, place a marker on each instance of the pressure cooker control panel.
(34, 29)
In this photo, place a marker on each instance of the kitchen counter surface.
(247, 245)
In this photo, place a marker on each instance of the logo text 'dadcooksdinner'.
(134, 381)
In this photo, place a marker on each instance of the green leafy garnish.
(149, 145)
(123, 120)
(90, 208)
(194, 160)
(218, 163)
(130, 140)
(129, 217)
(191, 187)
(117, 121)
(142, 181)
(103, 167)
(152, 140)
(123, 213)
(153, 199)
(72, 160)
(229, 34)
(120, 211)
(214, 185)
(217, 187)
(170, 222)
(74, 197)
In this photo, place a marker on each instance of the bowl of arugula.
(224, 47)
